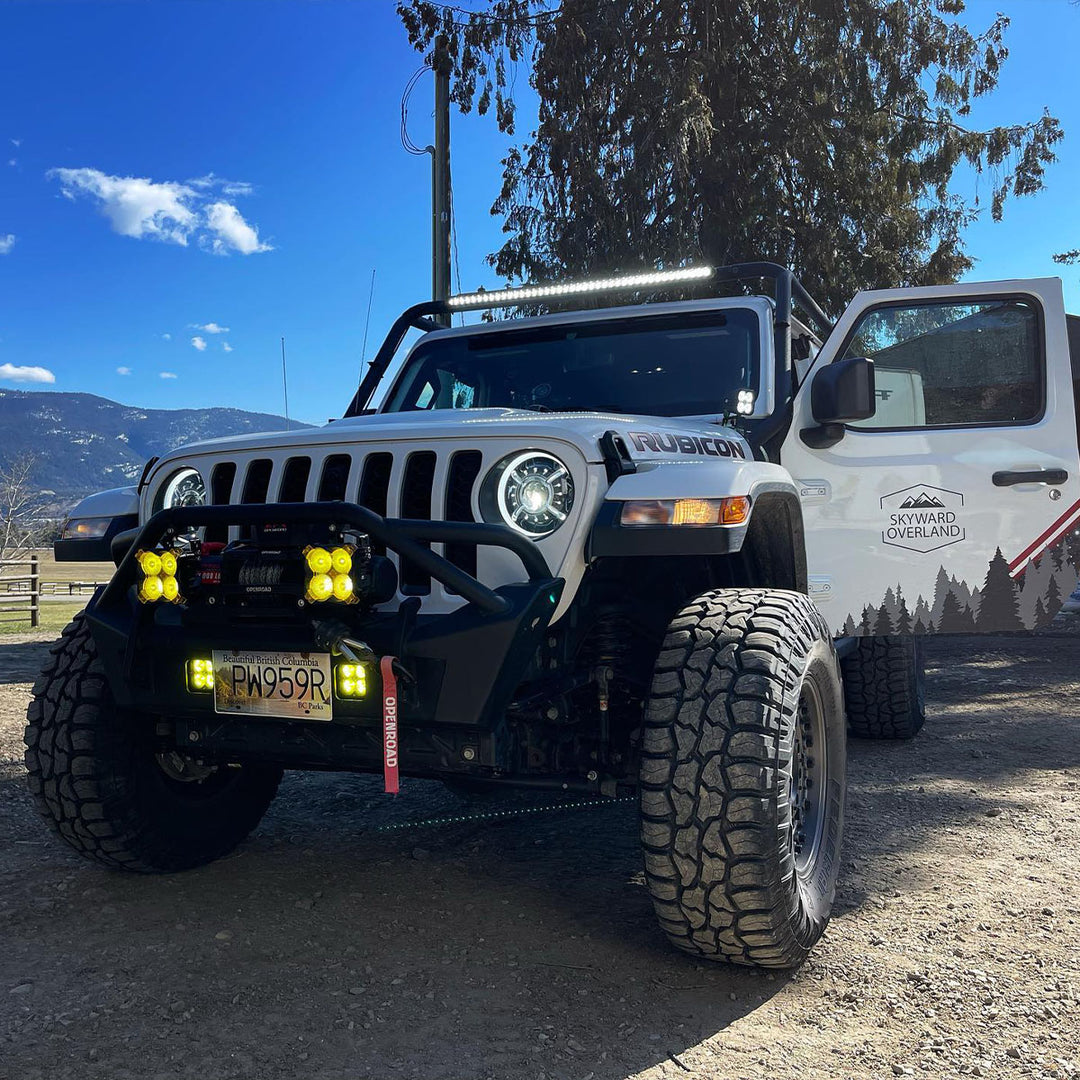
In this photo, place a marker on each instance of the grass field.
(55, 615)
(57, 607)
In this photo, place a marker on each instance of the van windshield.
(684, 364)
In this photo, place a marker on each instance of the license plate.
(293, 685)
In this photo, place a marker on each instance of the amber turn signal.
(733, 510)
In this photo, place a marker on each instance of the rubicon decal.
(664, 442)
(923, 518)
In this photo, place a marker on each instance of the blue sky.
(269, 133)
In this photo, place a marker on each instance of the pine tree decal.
(951, 616)
(999, 609)
(883, 623)
(1053, 599)
(850, 629)
(866, 626)
(903, 617)
(1041, 618)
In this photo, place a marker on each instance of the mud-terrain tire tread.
(884, 688)
(86, 772)
(720, 876)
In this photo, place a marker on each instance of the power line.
(407, 142)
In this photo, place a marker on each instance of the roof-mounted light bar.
(505, 297)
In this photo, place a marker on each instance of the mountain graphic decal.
(921, 502)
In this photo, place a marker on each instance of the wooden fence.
(20, 591)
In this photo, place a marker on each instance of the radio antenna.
(367, 323)
(285, 385)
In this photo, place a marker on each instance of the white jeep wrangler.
(646, 547)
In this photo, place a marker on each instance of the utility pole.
(440, 178)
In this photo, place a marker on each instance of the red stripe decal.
(389, 725)
(1053, 528)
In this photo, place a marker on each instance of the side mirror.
(842, 392)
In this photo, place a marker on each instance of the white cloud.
(13, 162)
(198, 343)
(232, 232)
(16, 143)
(210, 328)
(7, 242)
(15, 373)
(166, 337)
(226, 346)
(171, 211)
(135, 206)
(123, 371)
(166, 375)
(227, 187)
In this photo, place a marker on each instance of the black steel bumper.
(464, 666)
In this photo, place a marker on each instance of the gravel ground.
(345, 940)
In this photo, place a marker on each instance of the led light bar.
(500, 297)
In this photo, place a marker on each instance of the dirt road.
(345, 941)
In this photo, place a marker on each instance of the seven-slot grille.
(418, 483)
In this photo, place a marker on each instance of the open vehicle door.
(955, 507)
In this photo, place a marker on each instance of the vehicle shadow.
(21, 661)
(348, 941)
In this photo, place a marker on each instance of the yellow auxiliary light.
(318, 560)
(200, 675)
(151, 589)
(330, 574)
(320, 587)
(343, 587)
(159, 576)
(351, 680)
(149, 563)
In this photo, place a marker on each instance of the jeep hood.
(647, 438)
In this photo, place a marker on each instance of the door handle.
(1035, 476)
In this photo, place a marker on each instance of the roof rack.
(787, 290)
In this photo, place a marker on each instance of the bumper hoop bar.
(404, 536)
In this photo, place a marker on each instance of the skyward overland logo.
(922, 518)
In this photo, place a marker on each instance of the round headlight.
(531, 491)
(184, 488)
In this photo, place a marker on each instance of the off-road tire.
(723, 724)
(884, 688)
(96, 780)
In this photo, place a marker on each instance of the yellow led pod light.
(330, 574)
(159, 577)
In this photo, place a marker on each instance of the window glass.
(685, 364)
(950, 364)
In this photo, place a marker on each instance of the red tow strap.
(389, 725)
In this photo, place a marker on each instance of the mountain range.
(83, 443)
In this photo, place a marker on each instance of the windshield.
(685, 364)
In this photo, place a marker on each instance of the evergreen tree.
(903, 618)
(883, 623)
(1053, 599)
(999, 609)
(890, 602)
(941, 590)
(850, 629)
(820, 135)
(920, 626)
(967, 620)
(866, 627)
(951, 615)
(1041, 618)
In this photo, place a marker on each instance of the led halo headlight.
(531, 491)
(184, 487)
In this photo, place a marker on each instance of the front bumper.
(464, 666)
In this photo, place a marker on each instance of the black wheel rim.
(806, 791)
